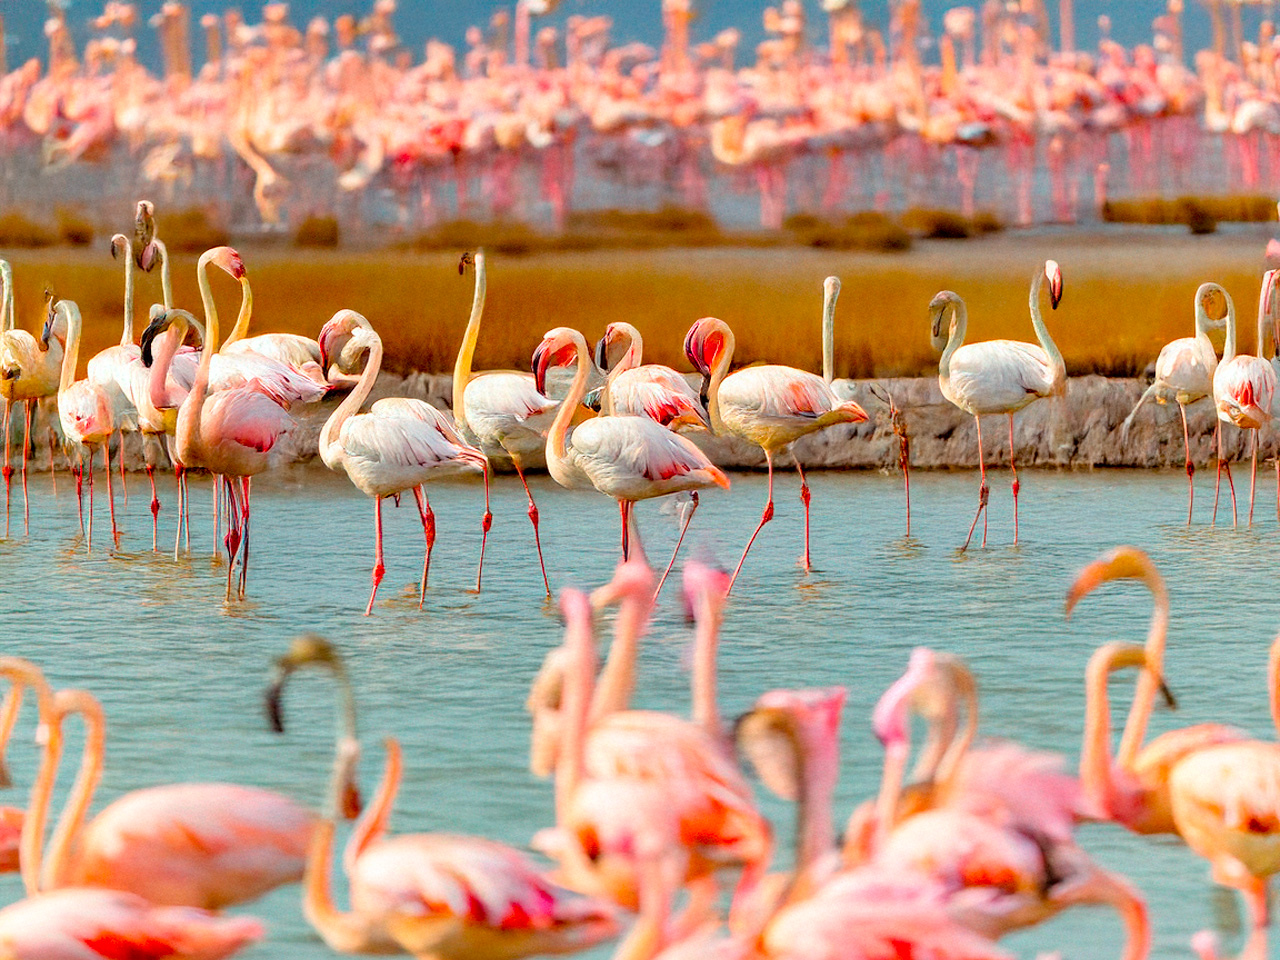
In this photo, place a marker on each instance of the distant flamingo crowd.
(654, 818)
(340, 118)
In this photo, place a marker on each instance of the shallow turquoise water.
(181, 674)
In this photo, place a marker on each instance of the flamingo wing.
(399, 442)
(246, 417)
(642, 397)
(506, 395)
(777, 392)
(640, 455)
(229, 371)
(1000, 376)
(413, 409)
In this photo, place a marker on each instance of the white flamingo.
(771, 405)
(503, 413)
(397, 446)
(627, 458)
(1184, 372)
(1244, 389)
(83, 407)
(998, 376)
(639, 389)
(29, 372)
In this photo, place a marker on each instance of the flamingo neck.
(245, 315)
(617, 680)
(580, 668)
(6, 310)
(166, 280)
(1042, 332)
(31, 843)
(375, 820)
(830, 296)
(706, 642)
(1229, 344)
(9, 712)
(819, 770)
(955, 340)
(190, 415)
(74, 813)
(630, 359)
(126, 337)
(162, 361)
(886, 815)
(342, 932)
(557, 436)
(1095, 750)
(963, 688)
(71, 352)
(467, 350)
(718, 373)
(331, 451)
(1148, 686)
(1202, 321)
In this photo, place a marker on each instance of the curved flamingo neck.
(558, 434)
(71, 352)
(331, 451)
(166, 280)
(126, 337)
(374, 822)
(1148, 686)
(188, 433)
(76, 809)
(1264, 313)
(1202, 316)
(955, 340)
(1042, 332)
(630, 359)
(961, 687)
(706, 641)
(580, 668)
(22, 673)
(1229, 343)
(241, 328)
(162, 360)
(721, 369)
(616, 683)
(831, 293)
(467, 349)
(1095, 750)
(6, 310)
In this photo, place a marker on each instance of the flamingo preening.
(997, 376)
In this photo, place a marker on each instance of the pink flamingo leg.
(179, 477)
(805, 498)
(1016, 486)
(1253, 476)
(486, 523)
(984, 494)
(124, 483)
(217, 514)
(186, 514)
(1191, 469)
(111, 500)
(78, 472)
(684, 528)
(53, 459)
(533, 518)
(626, 537)
(379, 570)
(764, 518)
(26, 448)
(429, 534)
(246, 484)
(89, 543)
(1223, 465)
(232, 539)
(7, 470)
(155, 510)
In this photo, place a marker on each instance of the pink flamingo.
(627, 458)
(505, 414)
(1184, 370)
(997, 376)
(771, 406)
(645, 390)
(435, 895)
(1244, 388)
(388, 451)
(83, 407)
(232, 432)
(22, 675)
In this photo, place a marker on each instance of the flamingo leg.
(26, 448)
(429, 534)
(765, 517)
(78, 472)
(626, 539)
(1255, 895)
(1223, 465)
(124, 483)
(1191, 468)
(111, 499)
(186, 513)
(1015, 485)
(53, 457)
(984, 494)
(379, 569)
(155, 509)
(179, 476)
(217, 513)
(485, 524)
(246, 484)
(805, 498)
(533, 518)
(1253, 476)
(89, 544)
(684, 527)
(7, 470)
(232, 539)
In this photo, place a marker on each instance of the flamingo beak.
(1054, 275)
(937, 310)
(602, 352)
(541, 361)
(889, 719)
(1122, 563)
(273, 703)
(157, 326)
(693, 350)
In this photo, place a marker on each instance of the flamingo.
(771, 406)
(437, 896)
(391, 449)
(998, 376)
(1184, 371)
(1244, 388)
(233, 432)
(645, 390)
(627, 458)
(84, 408)
(504, 414)
(30, 370)
(1133, 788)
(22, 675)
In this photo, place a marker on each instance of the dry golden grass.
(1125, 297)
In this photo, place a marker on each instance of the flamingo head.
(55, 324)
(120, 246)
(889, 719)
(1214, 300)
(340, 326)
(704, 584)
(1115, 656)
(704, 343)
(144, 235)
(785, 731)
(227, 259)
(939, 306)
(1053, 273)
(162, 320)
(557, 349)
(632, 580)
(1122, 563)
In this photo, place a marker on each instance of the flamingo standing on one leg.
(1244, 389)
(83, 407)
(998, 376)
(505, 414)
(386, 452)
(627, 458)
(771, 406)
(1184, 370)
(434, 895)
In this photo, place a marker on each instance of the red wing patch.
(117, 946)
(801, 400)
(1244, 394)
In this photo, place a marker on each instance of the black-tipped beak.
(541, 360)
(147, 257)
(158, 325)
(602, 352)
(1170, 700)
(274, 705)
(691, 351)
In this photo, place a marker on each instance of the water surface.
(181, 674)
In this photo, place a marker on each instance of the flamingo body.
(507, 416)
(1000, 376)
(773, 405)
(1243, 391)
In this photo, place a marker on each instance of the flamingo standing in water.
(390, 450)
(1244, 389)
(771, 406)
(997, 376)
(1184, 371)
(84, 408)
(434, 895)
(645, 390)
(505, 414)
(230, 433)
(29, 372)
(627, 458)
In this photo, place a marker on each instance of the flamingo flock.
(341, 118)
(656, 838)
